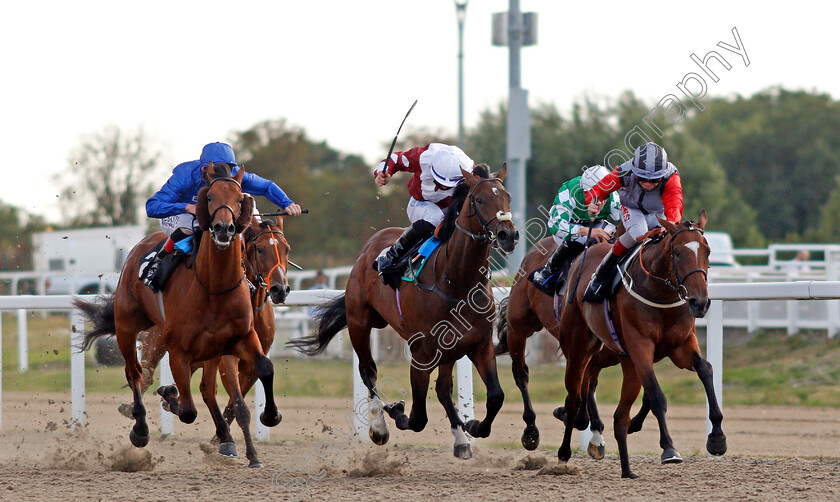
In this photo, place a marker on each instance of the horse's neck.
(258, 298)
(466, 258)
(218, 269)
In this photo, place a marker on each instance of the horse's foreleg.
(484, 360)
(208, 388)
(641, 350)
(179, 404)
(153, 351)
(688, 357)
(419, 389)
(443, 389)
(596, 425)
(639, 419)
(240, 409)
(630, 386)
(250, 351)
(516, 345)
(127, 342)
(576, 360)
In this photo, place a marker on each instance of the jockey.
(174, 204)
(570, 220)
(436, 170)
(649, 187)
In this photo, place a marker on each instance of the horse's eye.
(209, 199)
(259, 250)
(676, 252)
(479, 200)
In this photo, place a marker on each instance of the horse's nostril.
(516, 236)
(231, 229)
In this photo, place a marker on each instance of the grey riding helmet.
(650, 161)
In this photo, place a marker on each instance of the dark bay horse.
(266, 253)
(650, 317)
(446, 316)
(205, 311)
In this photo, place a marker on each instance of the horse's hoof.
(395, 409)
(595, 451)
(138, 440)
(228, 450)
(531, 438)
(635, 426)
(165, 391)
(126, 410)
(716, 445)
(463, 451)
(472, 428)
(628, 475)
(671, 456)
(255, 464)
(188, 417)
(560, 413)
(377, 438)
(270, 421)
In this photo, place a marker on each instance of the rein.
(679, 288)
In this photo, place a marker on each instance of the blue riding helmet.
(219, 153)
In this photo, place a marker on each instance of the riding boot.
(418, 231)
(599, 285)
(167, 265)
(564, 253)
(153, 267)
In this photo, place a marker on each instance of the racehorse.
(651, 317)
(448, 313)
(204, 311)
(266, 259)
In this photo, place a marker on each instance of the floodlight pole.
(461, 11)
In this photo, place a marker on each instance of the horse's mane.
(457, 201)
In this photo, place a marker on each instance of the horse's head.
(221, 207)
(689, 253)
(487, 207)
(267, 253)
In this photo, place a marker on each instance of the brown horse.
(651, 317)
(446, 316)
(266, 259)
(205, 310)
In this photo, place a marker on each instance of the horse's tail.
(502, 328)
(330, 318)
(100, 314)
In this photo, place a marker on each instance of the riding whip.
(282, 213)
(394, 143)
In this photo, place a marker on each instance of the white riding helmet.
(447, 164)
(591, 176)
(650, 161)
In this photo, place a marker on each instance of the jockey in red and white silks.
(648, 187)
(436, 170)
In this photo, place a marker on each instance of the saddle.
(169, 263)
(408, 268)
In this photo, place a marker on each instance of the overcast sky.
(346, 71)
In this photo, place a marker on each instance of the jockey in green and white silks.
(570, 218)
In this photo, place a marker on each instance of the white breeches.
(636, 224)
(424, 210)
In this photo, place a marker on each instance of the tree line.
(764, 167)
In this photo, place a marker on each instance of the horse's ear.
(202, 214)
(279, 222)
(247, 212)
(206, 171)
(667, 225)
(502, 172)
(469, 177)
(701, 220)
(240, 174)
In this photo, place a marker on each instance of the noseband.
(485, 236)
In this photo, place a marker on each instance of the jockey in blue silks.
(174, 204)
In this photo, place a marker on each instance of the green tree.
(108, 178)
(779, 147)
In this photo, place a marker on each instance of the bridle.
(679, 288)
(485, 235)
(222, 206)
(255, 264)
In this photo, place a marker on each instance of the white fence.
(720, 293)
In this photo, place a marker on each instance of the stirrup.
(150, 271)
